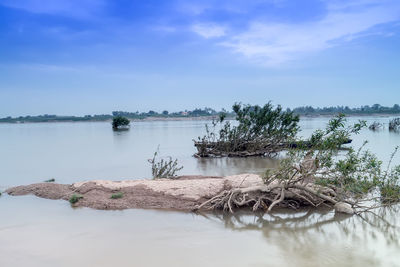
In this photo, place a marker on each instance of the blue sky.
(95, 56)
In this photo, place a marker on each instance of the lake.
(40, 232)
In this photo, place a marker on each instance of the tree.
(260, 131)
(120, 122)
(311, 176)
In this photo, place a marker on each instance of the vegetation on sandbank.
(259, 131)
(320, 174)
(164, 168)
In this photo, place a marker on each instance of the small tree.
(260, 131)
(120, 122)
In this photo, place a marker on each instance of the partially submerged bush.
(375, 126)
(394, 124)
(75, 198)
(120, 122)
(117, 195)
(260, 130)
(321, 175)
(161, 168)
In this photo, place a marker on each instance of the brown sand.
(183, 193)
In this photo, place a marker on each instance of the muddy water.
(38, 232)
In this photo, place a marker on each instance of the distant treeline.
(363, 110)
(206, 112)
(104, 117)
(198, 112)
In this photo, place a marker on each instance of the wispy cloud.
(69, 8)
(209, 30)
(277, 43)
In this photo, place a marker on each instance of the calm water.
(39, 232)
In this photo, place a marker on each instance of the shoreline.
(200, 118)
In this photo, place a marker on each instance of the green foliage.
(258, 128)
(390, 193)
(161, 168)
(394, 124)
(389, 186)
(119, 122)
(264, 122)
(52, 180)
(352, 173)
(117, 195)
(75, 198)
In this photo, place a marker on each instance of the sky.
(77, 57)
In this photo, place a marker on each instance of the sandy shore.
(184, 193)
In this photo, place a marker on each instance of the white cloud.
(209, 30)
(277, 43)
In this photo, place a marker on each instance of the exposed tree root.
(266, 197)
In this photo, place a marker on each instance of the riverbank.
(179, 118)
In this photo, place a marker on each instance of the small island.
(120, 123)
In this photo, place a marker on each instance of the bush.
(52, 180)
(375, 126)
(117, 195)
(260, 131)
(394, 125)
(75, 198)
(161, 168)
(120, 122)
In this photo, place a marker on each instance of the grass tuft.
(75, 198)
(117, 195)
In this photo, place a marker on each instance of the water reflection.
(322, 238)
(231, 166)
(73, 152)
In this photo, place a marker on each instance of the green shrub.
(52, 180)
(117, 195)
(260, 130)
(75, 198)
(161, 168)
(120, 122)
